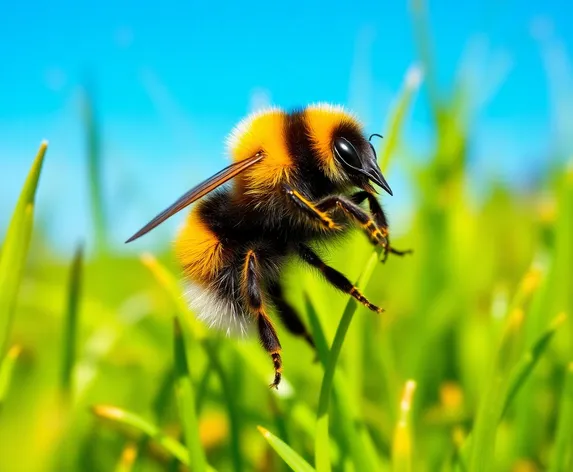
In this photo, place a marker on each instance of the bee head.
(357, 157)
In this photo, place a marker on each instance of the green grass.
(94, 166)
(71, 324)
(15, 249)
(468, 369)
(120, 417)
(402, 442)
(294, 461)
(322, 447)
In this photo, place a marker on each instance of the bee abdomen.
(212, 304)
(199, 249)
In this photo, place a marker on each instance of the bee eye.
(346, 153)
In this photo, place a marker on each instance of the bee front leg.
(267, 333)
(309, 208)
(375, 208)
(380, 219)
(378, 235)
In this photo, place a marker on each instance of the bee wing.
(199, 191)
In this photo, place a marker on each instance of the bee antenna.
(375, 134)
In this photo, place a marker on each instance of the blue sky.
(172, 80)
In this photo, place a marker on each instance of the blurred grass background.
(470, 367)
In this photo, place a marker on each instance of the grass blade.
(6, 370)
(489, 411)
(562, 458)
(351, 425)
(186, 403)
(294, 461)
(15, 248)
(93, 150)
(423, 39)
(322, 452)
(230, 401)
(126, 418)
(170, 285)
(318, 336)
(503, 388)
(412, 81)
(402, 444)
(71, 326)
(525, 365)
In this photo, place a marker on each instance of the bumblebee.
(298, 178)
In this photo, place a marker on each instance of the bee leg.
(267, 333)
(309, 208)
(380, 219)
(336, 278)
(377, 235)
(375, 207)
(288, 315)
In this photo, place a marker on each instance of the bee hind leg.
(288, 315)
(267, 333)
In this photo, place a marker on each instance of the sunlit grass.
(322, 447)
(402, 447)
(295, 462)
(468, 369)
(15, 249)
(6, 370)
(125, 418)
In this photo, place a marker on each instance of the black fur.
(253, 287)
(310, 179)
